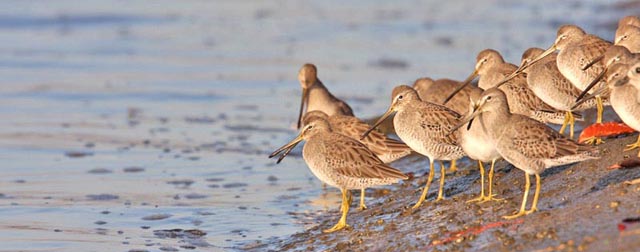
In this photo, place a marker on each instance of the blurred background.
(121, 120)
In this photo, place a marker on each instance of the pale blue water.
(198, 94)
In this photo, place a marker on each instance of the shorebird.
(316, 96)
(424, 127)
(529, 145)
(615, 54)
(629, 20)
(623, 82)
(548, 84)
(577, 49)
(492, 69)
(478, 145)
(342, 162)
(629, 37)
(438, 90)
(385, 148)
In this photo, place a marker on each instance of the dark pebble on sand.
(105, 212)
(235, 185)
(138, 250)
(57, 230)
(20, 181)
(272, 178)
(195, 196)
(145, 227)
(182, 182)
(169, 249)
(154, 217)
(77, 154)
(99, 171)
(214, 186)
(214, 179)
(179, 233)
(188, 247)
(100, 222)
(102, 197)
(133, 169)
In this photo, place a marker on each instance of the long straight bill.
(302, 102)
(287, 147)
(464, 84)
(592, 84)
(512, 75)
(593, 62)
(382, 118)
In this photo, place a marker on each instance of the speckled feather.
(385, 148)
(346, 163)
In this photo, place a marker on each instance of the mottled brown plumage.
(340, 161)
(387, 149)
(425, 128)
(438, 90)
(528, 144)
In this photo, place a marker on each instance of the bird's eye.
(310, 127)
(637, 69)
(400, 97)
(488, 98)
(625, 37)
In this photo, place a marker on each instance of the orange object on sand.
(607, 129)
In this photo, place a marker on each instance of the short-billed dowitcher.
(615, 54)
(478, 145)
(341, 162)
(316, 96)
(548, 84)
(623, 83)
(627, 101)
(424, 127)
(385, 148)
(492, 69)
(438, 90)
(528, 144)
(577, 49)
(629, 37)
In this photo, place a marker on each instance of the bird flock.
(504, 117)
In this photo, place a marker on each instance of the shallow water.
(118, 122)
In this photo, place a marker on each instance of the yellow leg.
(342, 223)
(362, 205)
(600, 110)
(490, 196)
(572, 123)
(426, 188)
(481, 196)
(349, 201)
(442, 175)
(522, 212)
(534, 204)
(564, 124)
(453, 167)
(633, 146)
